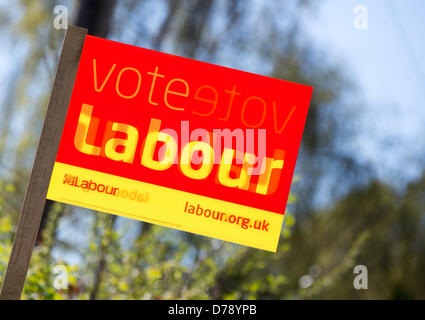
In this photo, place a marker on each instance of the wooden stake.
(35, 198)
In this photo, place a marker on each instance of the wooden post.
(35, 197)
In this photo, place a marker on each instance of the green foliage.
(39, 282)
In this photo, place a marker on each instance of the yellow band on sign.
(164, 206)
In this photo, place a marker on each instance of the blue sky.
(387, 63)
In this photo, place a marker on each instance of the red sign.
(129, 143)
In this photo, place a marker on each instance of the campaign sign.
(180, 143)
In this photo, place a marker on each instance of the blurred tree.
(363, 222)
